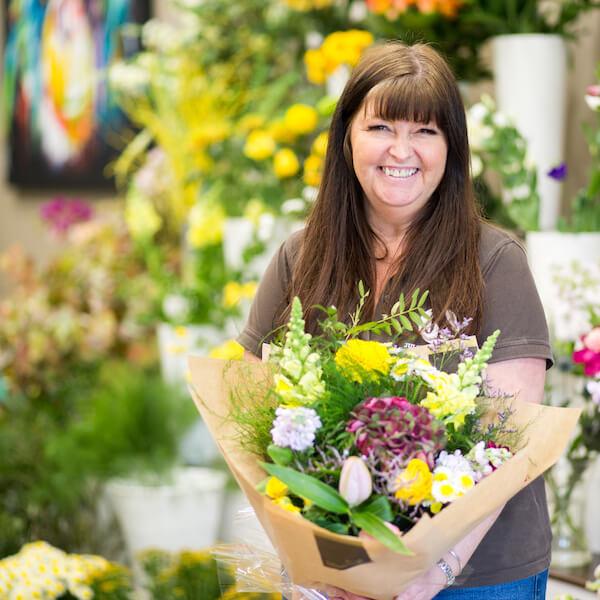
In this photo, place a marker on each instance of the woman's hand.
(425, 587)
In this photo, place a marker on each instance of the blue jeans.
(530, 588)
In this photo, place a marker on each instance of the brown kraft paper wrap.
(313, 556)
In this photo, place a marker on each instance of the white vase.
(549, 250)
(592, 517)
(530, 82)
(176, 342)
(178, 514)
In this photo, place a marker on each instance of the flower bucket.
(171, 515)
(530, 81)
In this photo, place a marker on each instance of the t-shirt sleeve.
(269, 300)
(512, 305)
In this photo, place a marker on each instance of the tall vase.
(530, 78)
(568, 495)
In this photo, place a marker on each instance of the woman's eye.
(428, 131)
(378, 127)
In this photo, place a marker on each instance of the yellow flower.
(286, 503)
(359, 357)
(259, 145)
(447, 402)
(301, 118)
(280, 132)
(209, 132)
(142, 219)
(285, 163)
(229, 350)
(276, 488)
(316, 66)
(413, 484)
(206, 222)
(319, 146)
(250, 121)
(312, 170)
(234, 292)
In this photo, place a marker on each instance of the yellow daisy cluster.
(265, 140)
(42, 571)
(313, 165)
(392, 8)
(338, 48)
(413, 483)
(306, 5)
(234, 292)
(448, 484)
(360, 358)
(205, 224)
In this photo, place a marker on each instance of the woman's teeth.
(400, 173)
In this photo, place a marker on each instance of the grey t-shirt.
(518, 544)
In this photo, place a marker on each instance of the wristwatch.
(447, 570)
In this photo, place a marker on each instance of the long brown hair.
(441, 247)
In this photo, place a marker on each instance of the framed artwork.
(62, 127)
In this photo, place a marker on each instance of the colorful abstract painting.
(62, 128)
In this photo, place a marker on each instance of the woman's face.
(399, 164)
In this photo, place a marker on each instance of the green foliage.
(128, 423)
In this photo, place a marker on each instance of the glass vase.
(567, 494)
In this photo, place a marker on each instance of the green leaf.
(416, 318)
(376, 527)
(423, 298)
(401, 303)
(396, 325)
(323, 495)
(414, 298)
(280, 456)
(340, 528)
(379, 506)
(405, 323)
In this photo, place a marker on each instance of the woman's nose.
(401, 147)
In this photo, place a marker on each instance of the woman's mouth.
(399, 173)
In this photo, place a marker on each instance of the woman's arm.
(523, 377)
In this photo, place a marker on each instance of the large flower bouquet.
(357, 436)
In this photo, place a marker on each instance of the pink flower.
(592, 340)
(61, 213)
(592, 96)
(589, 359)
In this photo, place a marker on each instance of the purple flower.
(61, 213)
(559, 173)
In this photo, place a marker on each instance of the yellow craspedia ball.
(285, 163)
(361, 358)
(259, 145)
(301, 118)
(413, 484)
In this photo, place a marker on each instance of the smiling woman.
(396, 210)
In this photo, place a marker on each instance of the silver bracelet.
(457, 559)
(447, 570)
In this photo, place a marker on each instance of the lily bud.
(355, 481)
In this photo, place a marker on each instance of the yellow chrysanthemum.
(250, 122)
(259, 145)
(413, 484)
(312, 170)
(316, 66)
(229, 350)
(285, 163)
(280, 132)
(319, 146)
(301, 118)
(205, 221)
(275, 488)
(359, 357)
